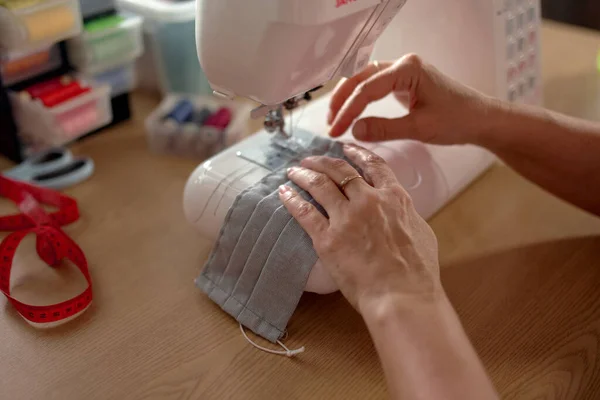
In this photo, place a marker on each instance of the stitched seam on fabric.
(228, 261)
(261, 319)
(252, 251)
(269, 255)
(262, 269)
(241, 197)
(215, 286)
(291, 161)
(224, 226)
(289, 221)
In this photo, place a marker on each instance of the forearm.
(559, 153)
(425, 353)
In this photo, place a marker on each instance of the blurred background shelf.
(585, 13)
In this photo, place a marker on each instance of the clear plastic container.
(41, 127)
(121, 79)
(17, 66)
(40, 24)
(170, 61)
(106, 43)
(190, 140)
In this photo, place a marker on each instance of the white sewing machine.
(276, 51)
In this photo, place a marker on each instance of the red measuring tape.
(52, 245)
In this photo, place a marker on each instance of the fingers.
(382, 129)
(374, 167)
(337, 170)
(346, 86)
(320, 187)
(403, 76)
(309, 218)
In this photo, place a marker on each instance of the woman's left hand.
(374, 244)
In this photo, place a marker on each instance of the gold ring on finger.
(349, 179)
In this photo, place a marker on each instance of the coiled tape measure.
(52, 245)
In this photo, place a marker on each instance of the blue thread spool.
(182, 112)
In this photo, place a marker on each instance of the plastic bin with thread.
(27, 25)
(62, 121)
(18, 66)
(106, 43)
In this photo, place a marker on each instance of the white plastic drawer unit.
(17, 66)
(122, 79)
(42, 125)
(106, 43)
(28, 25)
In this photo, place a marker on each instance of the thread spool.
(15, 67)
(220, 119)
(49, 86)
(17, 4)
(63, 94)
(200, 117)
(181, 113)
(47, 24)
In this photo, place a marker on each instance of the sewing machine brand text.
(340, 3)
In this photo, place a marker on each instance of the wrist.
(395, 306)
(491, 119)
(505, 125)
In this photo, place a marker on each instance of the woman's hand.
(441, 111)
(383, 256)
(374, 244)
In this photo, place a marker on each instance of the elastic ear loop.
(287, 352)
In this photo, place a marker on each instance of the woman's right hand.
(441, 111)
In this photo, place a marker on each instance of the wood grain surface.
(521, 267)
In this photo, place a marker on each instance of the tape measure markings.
(52, 246)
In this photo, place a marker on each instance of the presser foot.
(274, 119)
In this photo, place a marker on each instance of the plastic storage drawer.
(106, 43)
(18, 66)
(41, 127)
(121, 80)
(40, 24)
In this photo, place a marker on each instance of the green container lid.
(100, 24)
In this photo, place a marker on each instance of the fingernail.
(360, 129)
(329, 117)
(285, 191)
(292, 170)
(349, 147)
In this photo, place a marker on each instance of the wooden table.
(522, 268)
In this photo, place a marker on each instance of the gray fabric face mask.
(260, 264)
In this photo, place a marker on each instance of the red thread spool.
(220, 119)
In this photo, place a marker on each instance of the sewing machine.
(278, 52)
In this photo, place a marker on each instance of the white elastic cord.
(287, 352)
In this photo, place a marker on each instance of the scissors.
(53, 169)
